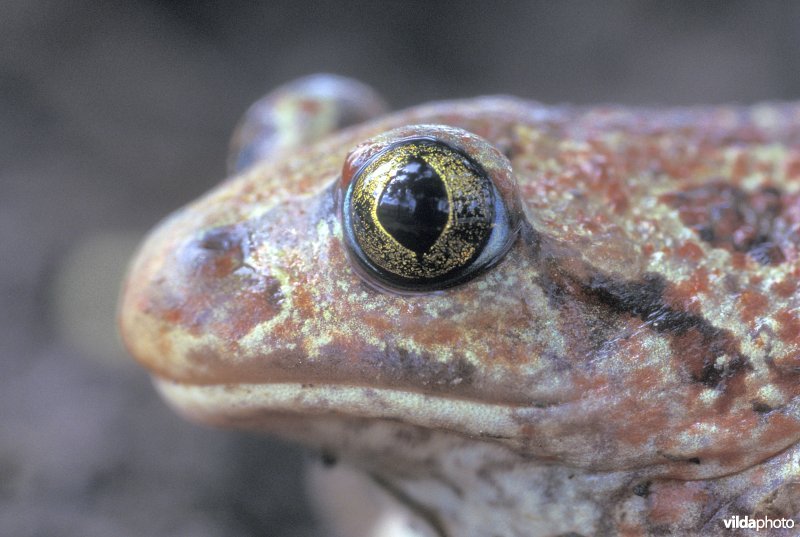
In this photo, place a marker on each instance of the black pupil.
(413, 207)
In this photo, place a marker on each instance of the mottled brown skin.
(645, 323)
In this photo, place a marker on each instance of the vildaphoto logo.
(748, 523)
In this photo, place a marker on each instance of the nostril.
(220, 239)
(217, 253)
(211, 289)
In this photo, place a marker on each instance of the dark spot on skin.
(692, 337)
(425, 370)
(761, 408)
(272, 292)
(673, 458)
(767, 253)
(556, 294)
(328, 459)
(642, 489)
(732, 284)
(642, 299)
(496, 436)
(712, 375)
(726, 216)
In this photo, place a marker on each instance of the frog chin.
(294, 410)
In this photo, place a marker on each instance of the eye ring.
(426, 207)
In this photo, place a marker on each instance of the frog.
(496, 317)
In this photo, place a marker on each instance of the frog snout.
(189, 301)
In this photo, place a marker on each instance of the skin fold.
(629, 367)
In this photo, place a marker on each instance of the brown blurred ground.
(112, 114)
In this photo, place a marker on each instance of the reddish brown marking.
(731, 428)
(735, 385)
(741, 168)
(630, 529)
(699, 346)
(681, 161)
(228, 311)
(310, 106)
(673, 502)
(249, 308)
(789, 329)
(164, 343)
(379, 324)
(443, 332)
(302, 300)
(785, 288)
(789, 363)
(649, 419)
(690, 349)
(603, 176)
(213, 366)
(793, 167)
(780, 428)
(752, 304)
(687, 294)
(618, 197)
(739, 261)
(172, 315)
(691, 251)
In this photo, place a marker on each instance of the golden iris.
(418, 213)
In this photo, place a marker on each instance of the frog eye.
(422, 212)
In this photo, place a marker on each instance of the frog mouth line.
(314, 415)
(248, 404)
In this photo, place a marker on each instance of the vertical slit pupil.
(413, 207)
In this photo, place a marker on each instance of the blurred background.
(114, 113)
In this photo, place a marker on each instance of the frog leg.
(299, 113)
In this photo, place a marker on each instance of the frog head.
(555, 282)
